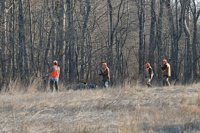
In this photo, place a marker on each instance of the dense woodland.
(82, 33)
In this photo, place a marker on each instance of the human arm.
(169, 70)
(103, 73)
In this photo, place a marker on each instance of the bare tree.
(159, 29)
(81, 34)
(141, 17)
(195, 15)
(60, 17)
(175, 33)
(152, 44)
(187, 63)
(3, 41)
(71, 40)
(110, 32)
(84, 29)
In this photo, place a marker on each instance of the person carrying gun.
(166, 71)
(148, 74)
(54, 75)
(105, 73)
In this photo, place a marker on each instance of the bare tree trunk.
(60, 17)
(195, 14)
(110, 36)
(41, 41)
(22, 42)
(32, 64)
(71, 40)
(152, 45)
(88, 72)
(187, 63)
(14, 49)
(3, 41)
(12, 39)
(159, 37)
(121, 32)
(175, 33)
(46, 65)
(83, 38)
(52, 17)
(141, 15)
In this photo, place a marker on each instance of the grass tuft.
(114, 110)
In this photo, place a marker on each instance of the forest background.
(82, 33)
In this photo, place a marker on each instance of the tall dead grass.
(114, 110)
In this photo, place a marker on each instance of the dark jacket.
(149, 73)
(166, 70)
(106, 74)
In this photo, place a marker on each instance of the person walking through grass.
(105, 73)
(54, 75)
(166, 72)
(148, 74)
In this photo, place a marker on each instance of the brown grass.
(114, 110)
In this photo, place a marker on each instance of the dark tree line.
(82, 33)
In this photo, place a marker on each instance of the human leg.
(167, 82)
(164, 81)
(105, 84)
(51, 85)
(56, 85)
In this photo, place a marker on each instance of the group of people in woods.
(166, 73)
(105, 73)
(55, 73)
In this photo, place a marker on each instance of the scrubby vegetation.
(113, 110)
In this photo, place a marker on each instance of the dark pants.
(52, 84)
(166, 81)
(105, 84)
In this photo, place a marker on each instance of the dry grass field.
(114, 110)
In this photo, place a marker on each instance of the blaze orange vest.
(56, 71)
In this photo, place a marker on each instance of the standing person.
(148, 74)
(166, 71)
(54, 75)
(105, 73)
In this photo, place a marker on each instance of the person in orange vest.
(166, 71)
(105, 73)
(54, 75)
(148, 74)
